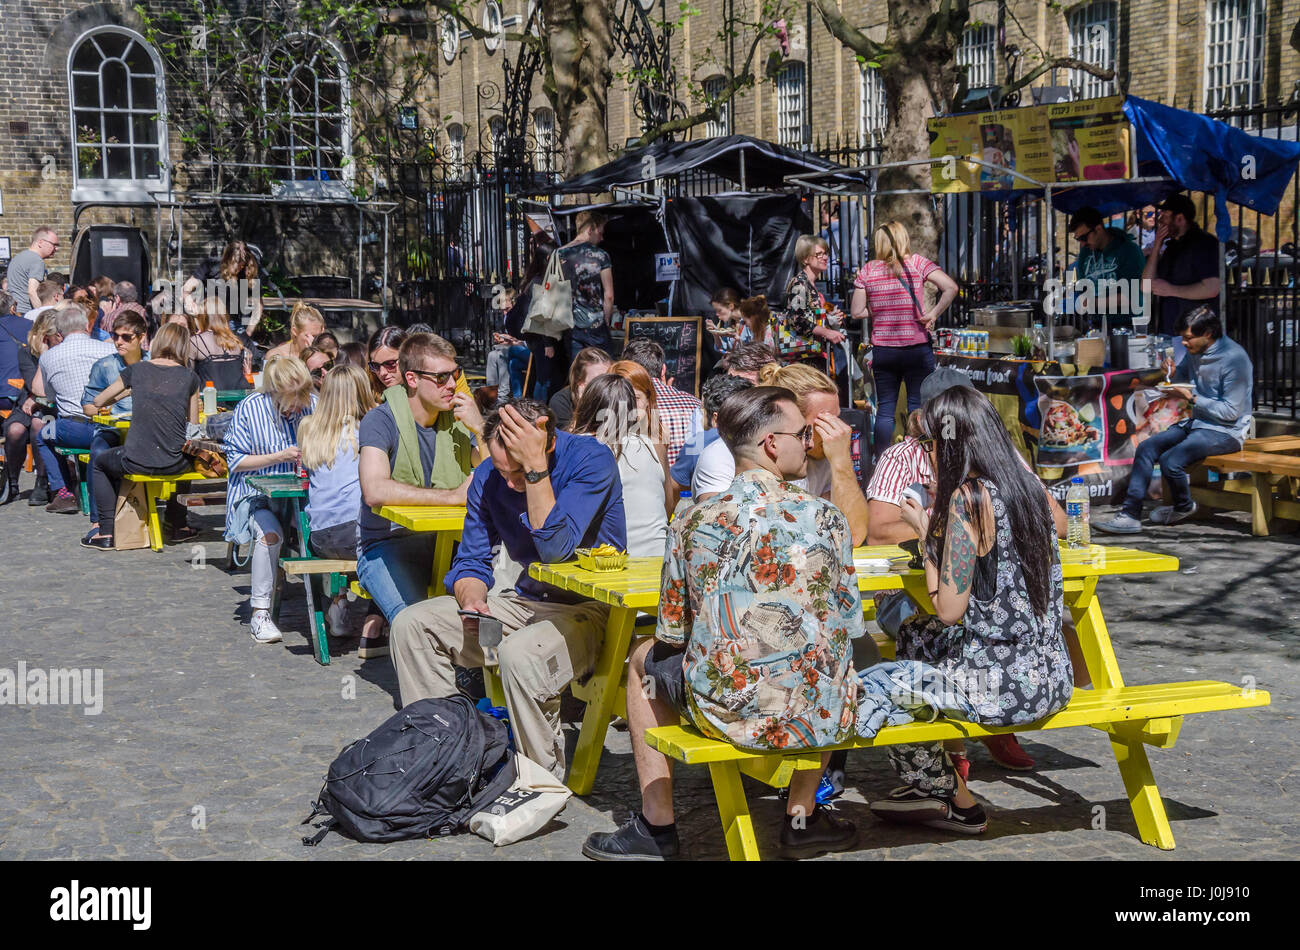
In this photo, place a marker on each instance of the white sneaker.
(339, 619)
(263, 629)
(1168, 514)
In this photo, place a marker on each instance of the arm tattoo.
(960, 555)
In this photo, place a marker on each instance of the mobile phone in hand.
(918, 493)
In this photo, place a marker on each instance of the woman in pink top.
(890, 289)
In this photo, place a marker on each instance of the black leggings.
(17, 435)
(106, 478)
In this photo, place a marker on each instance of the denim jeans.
(397, 572)
(577, 340)
(1176, 448)
(66, 433)
(517, 358)
(891, 365)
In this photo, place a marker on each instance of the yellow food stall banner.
(1065, 141)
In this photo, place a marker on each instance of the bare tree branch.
(1060, 62)
(849, 35)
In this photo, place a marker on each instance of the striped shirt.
(258, 428)
(895, 319)
(65, 368)
(679, 414)
(902, 464)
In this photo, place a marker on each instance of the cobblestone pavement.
(199, 722)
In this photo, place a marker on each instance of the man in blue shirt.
(1220, 379)
(540, 495)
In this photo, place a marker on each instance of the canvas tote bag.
(551, 310)
(131, 517)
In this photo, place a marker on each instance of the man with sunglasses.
(1107, 254)
(418, 447)
(27, 269)
(753, 645)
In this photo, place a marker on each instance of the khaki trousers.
(545, 646)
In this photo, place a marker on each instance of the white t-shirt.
(717, 468)
(644, 498)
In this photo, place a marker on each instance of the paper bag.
(131, 518)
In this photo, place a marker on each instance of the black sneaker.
(371, 647)
(822, 834)
(910, 805)
(962, 821)
(469, 680)
(632, 842)
(41, 493)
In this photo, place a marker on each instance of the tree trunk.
(919, 75)
(581, 43)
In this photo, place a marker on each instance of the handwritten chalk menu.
(680, 338)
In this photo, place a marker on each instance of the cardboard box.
(1090, 351)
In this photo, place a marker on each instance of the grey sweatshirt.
(1224, 380)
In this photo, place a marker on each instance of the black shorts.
(663, 664)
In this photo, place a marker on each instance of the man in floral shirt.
(759, 604)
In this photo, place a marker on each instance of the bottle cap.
(1077, 480)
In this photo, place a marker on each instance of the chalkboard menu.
(680, 338)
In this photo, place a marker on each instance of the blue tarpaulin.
(1199, 154)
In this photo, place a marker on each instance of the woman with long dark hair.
(993, 571)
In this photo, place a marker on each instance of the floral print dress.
(759, 587)
(1010, 664)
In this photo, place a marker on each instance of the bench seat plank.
(1087, 708)
(317, 565)
(1271, 463)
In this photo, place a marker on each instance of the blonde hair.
(344, 398)
(800, 379)
(303, 314)
(806, 245)
(172, 342)
(42, 327)
(203, 321)
(285, 376)
(892, 245)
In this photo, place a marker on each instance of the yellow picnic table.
(117, 422)
(637, 586)
(446, 520)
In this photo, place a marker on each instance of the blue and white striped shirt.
(258, 428)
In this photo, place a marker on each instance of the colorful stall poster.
(1073, 430)
(1136, 409)
(1069, 141)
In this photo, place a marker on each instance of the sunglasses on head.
(387, 365)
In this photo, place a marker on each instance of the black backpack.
(424, 772)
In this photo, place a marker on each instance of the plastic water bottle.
(1077, 534)
(209, 399)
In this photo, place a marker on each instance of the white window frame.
(1235, 33)
(449, 38)
(1094, 39)
(791, 114)
(978, 52)
(713, 87)
(119, 189)
(496, 129)
(873, 113)
(325, 48)
(493, 23)
(455, 154)
(544, 139)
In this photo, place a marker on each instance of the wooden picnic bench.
(1134, 716)
(333, 574)
(1271, 492)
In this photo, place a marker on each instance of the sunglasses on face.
(804, 435)
(389, 366)
(927, 443)
(125, 337)
(439, 379)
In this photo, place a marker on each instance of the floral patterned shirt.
(759, 587)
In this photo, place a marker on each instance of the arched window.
(496, 134)
(544, 137)
(455, 154)
(306, 94)
(118, 111)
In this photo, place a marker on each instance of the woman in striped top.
(890, 289)
(263, 440)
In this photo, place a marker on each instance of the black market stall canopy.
(748, 162)
(743, 239)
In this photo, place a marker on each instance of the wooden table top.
(279, 486)
(424, 517)
(638, 585)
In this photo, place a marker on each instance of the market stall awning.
(766, 164)
(1199, 154)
